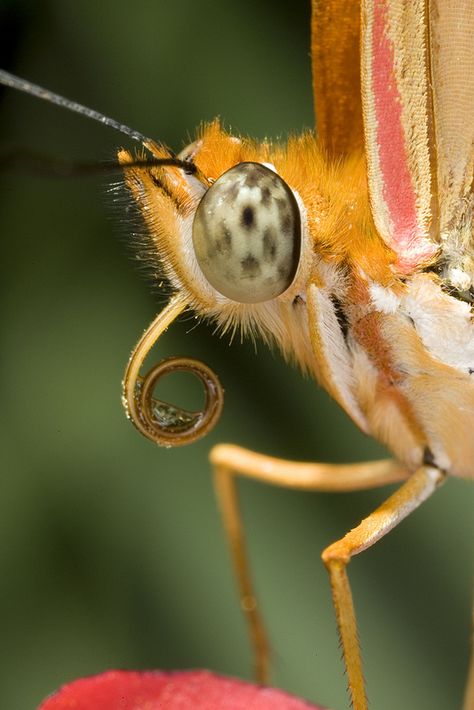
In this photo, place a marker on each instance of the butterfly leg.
(417, 489)
(231, 461)
(469, 693)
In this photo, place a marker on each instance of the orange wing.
(335, 29)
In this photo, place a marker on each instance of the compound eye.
(247, 234)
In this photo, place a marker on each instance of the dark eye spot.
(286, 223)
(248, 217)
(253, 176)
(269, 245)
(250, 266)
(233, 192)
(266, 196)
(224, 242)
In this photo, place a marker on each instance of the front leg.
(336, 557)
(230, 461)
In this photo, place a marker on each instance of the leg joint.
(334, 556)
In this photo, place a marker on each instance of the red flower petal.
(178, 690)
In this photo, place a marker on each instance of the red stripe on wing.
(407, 234)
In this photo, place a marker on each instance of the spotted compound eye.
(247, 234)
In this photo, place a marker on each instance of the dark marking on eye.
(226, 236)
(224, 242)
(297, 301)
(471, 370)
(340, 315)
(248, 217)
(233, 192)
(269, 245)
(286, 222)
(266, 196)
(211, 251)
(250, 266)
(253, 176)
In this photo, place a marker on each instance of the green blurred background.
(111, 550)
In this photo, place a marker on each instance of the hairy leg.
(336, 557)
(231, 461)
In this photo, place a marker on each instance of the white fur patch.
(384, 299)
(335, 352)
(459, 279)
(443, 323)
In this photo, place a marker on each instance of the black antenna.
(23, 85)
(15, 82)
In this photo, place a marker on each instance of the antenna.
(15, 82)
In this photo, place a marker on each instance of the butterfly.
(355, 298)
